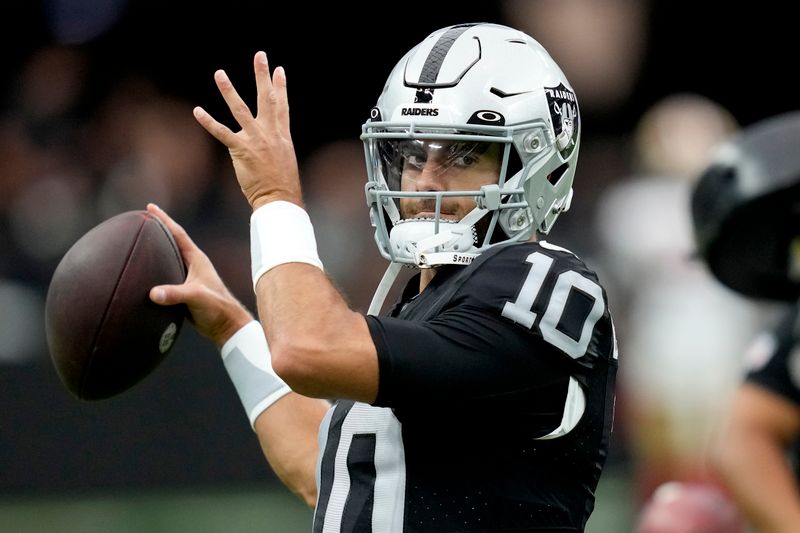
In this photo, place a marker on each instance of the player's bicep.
(461, 356)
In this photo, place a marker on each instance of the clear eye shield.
(400, 158)
(408, 158)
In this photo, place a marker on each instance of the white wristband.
(281, 232)
(249, 364)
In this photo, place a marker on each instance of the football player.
(746, 210)
(483, 400)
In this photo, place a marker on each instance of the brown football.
(103, 332)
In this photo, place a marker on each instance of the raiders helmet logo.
(566, 121)
(423, 96)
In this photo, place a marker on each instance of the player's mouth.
(425, 209)
(432, 215)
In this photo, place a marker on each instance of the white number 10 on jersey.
(520, 310)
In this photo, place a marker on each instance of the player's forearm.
(286, 423)
(320, 347)
(755, 470)
(287, 432)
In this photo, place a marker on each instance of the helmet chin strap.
(426, 259)
(383, 288)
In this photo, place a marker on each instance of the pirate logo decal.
(564, 112)
(423, 96)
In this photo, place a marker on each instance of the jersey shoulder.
(507, 276)
(521, 271)
(505, 260)
(547, 291)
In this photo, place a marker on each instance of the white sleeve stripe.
(574, 407)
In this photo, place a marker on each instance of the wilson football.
(103, 332)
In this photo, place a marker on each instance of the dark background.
(184, 425)
(337, 55)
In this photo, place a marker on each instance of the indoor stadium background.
(95, 119)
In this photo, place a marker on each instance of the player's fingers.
(176, 229)
(238, 107)
(263, 81)
(185, 243)
(189, 293)
(281, 98)
(219, 131)
(168, 294)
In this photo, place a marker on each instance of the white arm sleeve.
(247, 359)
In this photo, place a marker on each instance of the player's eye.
(413, 155)
(466, 160)
(465, 154)
(416, 161)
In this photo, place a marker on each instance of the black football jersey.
(773, 362)
(774, 359)
(494, 408)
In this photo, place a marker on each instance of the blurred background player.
(680, 329)
(746, 210)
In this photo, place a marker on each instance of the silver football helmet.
(464, 92)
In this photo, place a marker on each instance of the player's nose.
(431, 177)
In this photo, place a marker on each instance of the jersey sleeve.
(773, 359)
(486, 342)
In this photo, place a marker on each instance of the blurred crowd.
(71, 157)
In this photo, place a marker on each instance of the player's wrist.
(281, 232)
(265, 199)
(235, 321)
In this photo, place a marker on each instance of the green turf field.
(222, 511)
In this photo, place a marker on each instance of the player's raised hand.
(214, 311)
(262, 151)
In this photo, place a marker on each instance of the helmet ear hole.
(514, 164)
(555, 176)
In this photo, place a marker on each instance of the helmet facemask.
(441, 196)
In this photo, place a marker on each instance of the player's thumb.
(166, 294)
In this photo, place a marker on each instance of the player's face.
(446, 166)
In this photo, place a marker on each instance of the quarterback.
(483, 399)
